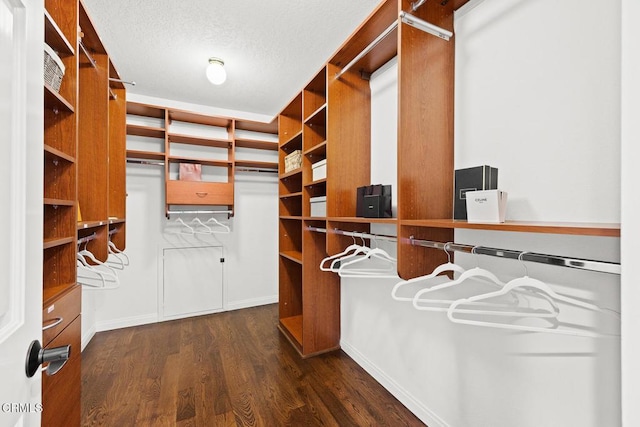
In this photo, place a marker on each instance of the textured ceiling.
(271, 48)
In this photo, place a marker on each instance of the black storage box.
(374, 201)
(471, 179)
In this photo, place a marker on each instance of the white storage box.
(319, 206)
(486, 206)
(319, 170)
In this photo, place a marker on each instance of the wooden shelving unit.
(83, 169)
(220, 137)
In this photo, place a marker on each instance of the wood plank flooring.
(226, 369)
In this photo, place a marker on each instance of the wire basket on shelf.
(53, 68)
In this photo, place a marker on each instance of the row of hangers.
(503, 308)
(96, 274)
(196, 226)
(523, 303)
(361, 261)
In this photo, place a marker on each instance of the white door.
(21, 136)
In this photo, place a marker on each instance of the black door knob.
(36, 356)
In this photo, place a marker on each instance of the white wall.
(630, 212)
(250, 250)
(538, 96)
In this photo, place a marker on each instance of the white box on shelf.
(486, 206)
(319, 170)
(319, 206)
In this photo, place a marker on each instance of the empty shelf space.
(54, 101)
(256, 164)
(199, 140)
(256, 144)
(58, 202)
(318, 116)
(585, 229)
(54, 36)
(57, 153)
(318, 182)
(146, 155)
(148, 131)
(293, 143)
(52, 243)
(291, 173)
(295, 256)
(319, 150)
(291, 195)
(293, 325)
(360, 220)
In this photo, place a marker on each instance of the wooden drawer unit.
(199, 193)
(61, 396)
(60, 313)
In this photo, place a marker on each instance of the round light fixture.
(215, 71)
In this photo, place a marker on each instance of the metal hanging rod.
(425, 26)
(248, 169)
(87, 54)
(145, 162)
(88, 238)
(368, 49)
(416, 4)
(560, 261)
(132, 83)
(229, 213)
(354, 234)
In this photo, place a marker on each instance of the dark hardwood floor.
(226, 369)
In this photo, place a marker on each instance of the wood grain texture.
(226, 369)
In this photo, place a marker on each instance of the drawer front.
(58, 314)
(61, 398)
(199, 193)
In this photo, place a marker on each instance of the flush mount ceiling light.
(215, 71)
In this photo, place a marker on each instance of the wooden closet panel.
(425, 134)
(320, 296)
(348, 140)
(117, 153)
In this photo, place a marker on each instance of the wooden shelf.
(117, 221)
(359, 220)
(256, 164)
(292, 255)
(204, 162)
(52, 243)
(318, 117)
(58, 202)
(85, 225)
(319, 150)
(583, 229)
(145, 110)
(201, 119)
(291, 173)
(290, 217)
(199, 140)
(147, 131)
(258, 126)
(49, 294)
(293, 143)
(54, 37)
(256, 144)
(146, 155)
(54, 101)
(293, 325)
(291, 195)
(57, 153)
(318, 182)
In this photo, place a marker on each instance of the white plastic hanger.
(225, 228)
(528, 283)
(442, 305)
(357, 250)
(123, 258)
(349, 249)
(104, 276)
(442, 268)
(390, 271)
(189, 229)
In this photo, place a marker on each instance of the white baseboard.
(87, 336)
(254, 302)
(426, 415)
(126, 322)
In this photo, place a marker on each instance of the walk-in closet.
(378, 212)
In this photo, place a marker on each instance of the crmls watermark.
(21, 407)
